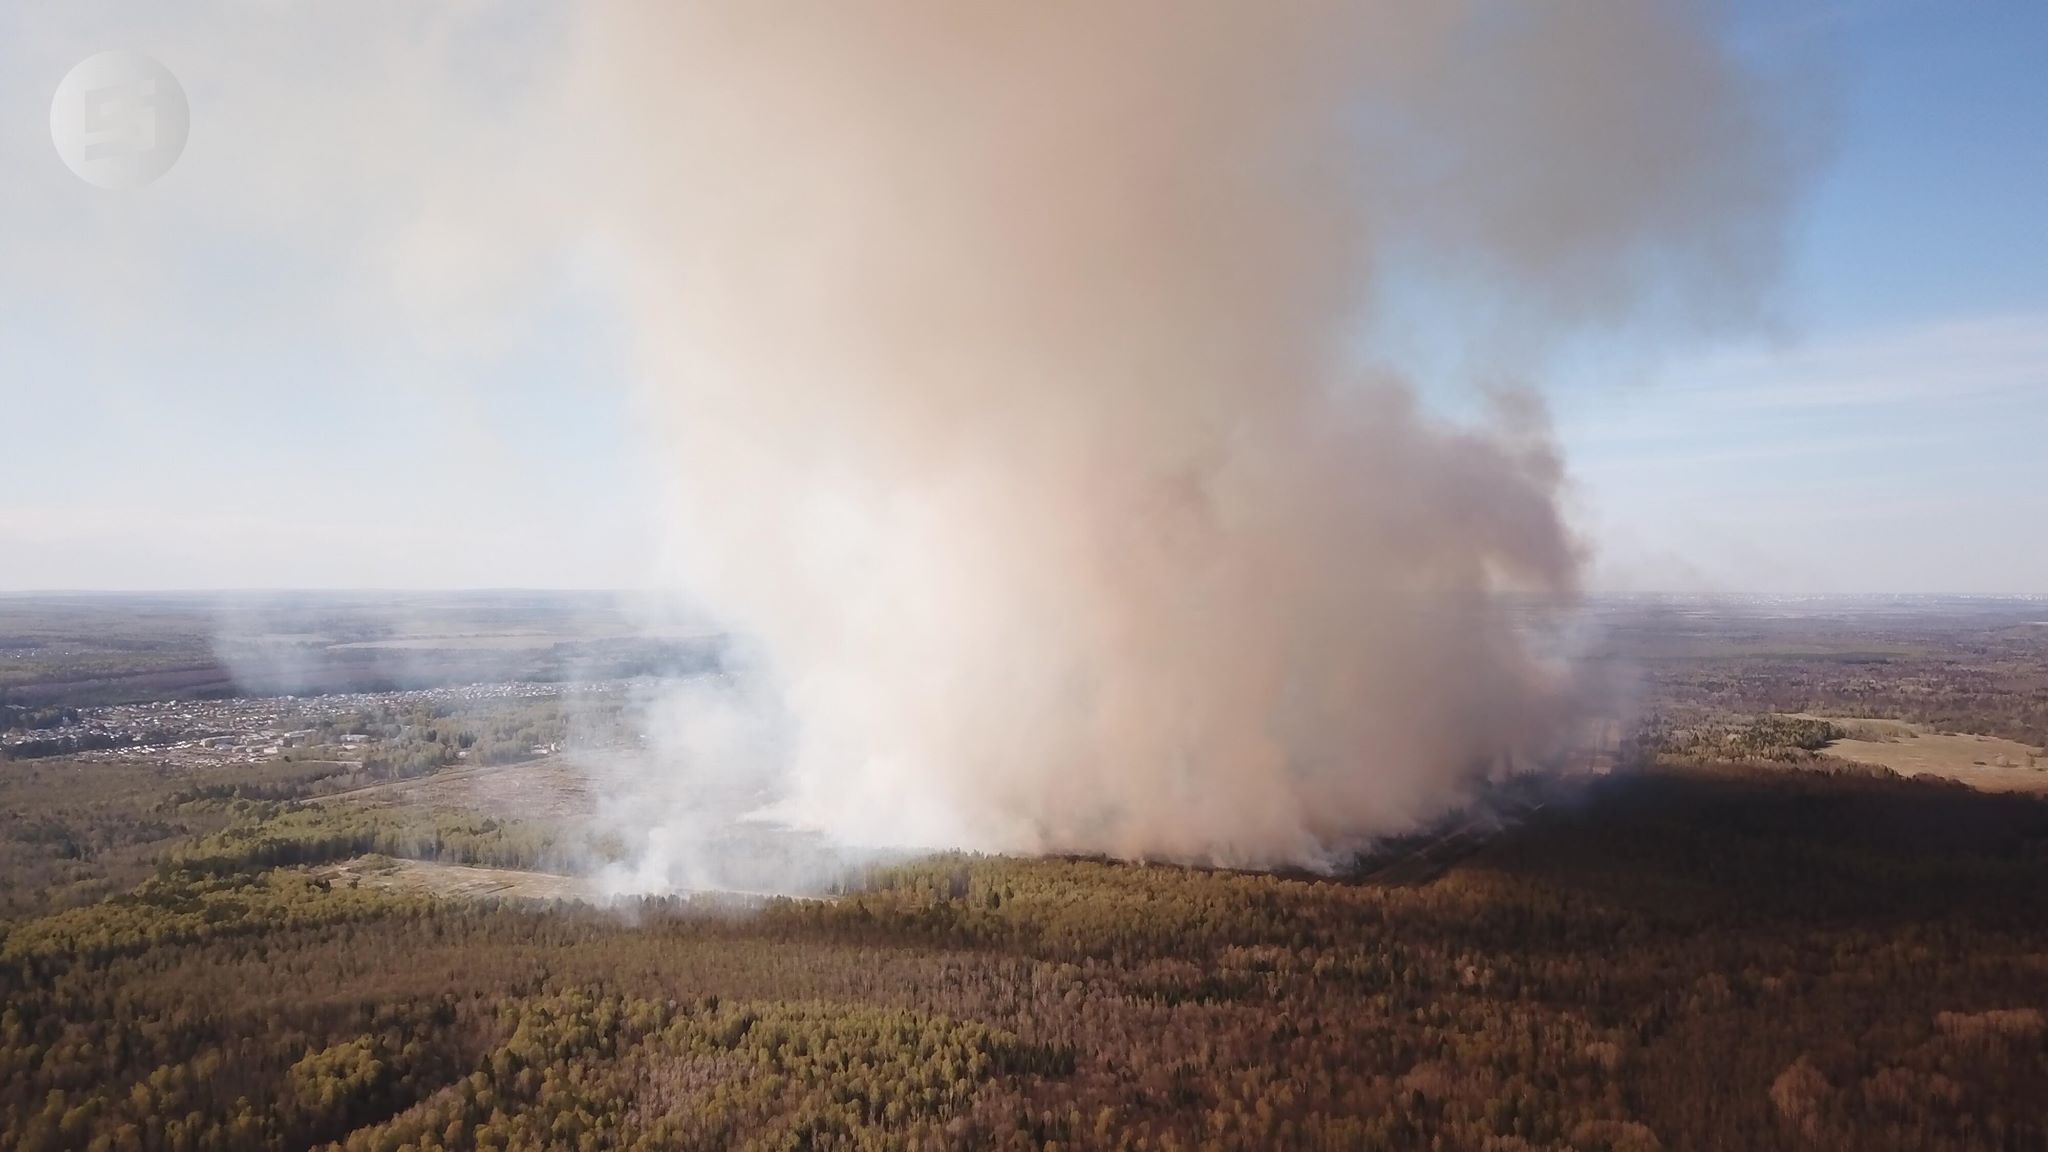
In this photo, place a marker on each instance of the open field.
(1987, 762)
(543, 788)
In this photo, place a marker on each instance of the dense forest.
(1685, 958)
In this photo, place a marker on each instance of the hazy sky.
(218, 381)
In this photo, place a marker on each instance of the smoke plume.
(1020, 382)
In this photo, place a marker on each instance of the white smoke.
(1006, 363)
(1022, 375)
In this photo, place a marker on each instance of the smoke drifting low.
(1016, 376)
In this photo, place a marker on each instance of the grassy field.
(1987, 762)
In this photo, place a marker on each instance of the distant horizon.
(1589, 594)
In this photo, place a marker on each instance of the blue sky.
(187, 398)
(1892, 435)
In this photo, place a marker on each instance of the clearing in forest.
(1987, 762)
(441, 879)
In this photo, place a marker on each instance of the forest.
(1683, 957)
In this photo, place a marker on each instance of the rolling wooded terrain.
(1692, 958)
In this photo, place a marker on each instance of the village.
(247, 730)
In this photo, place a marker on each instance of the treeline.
(1721, 739)
(48, 747)
(416, 740)
(74, 833)
(16, 717)
(262, 835)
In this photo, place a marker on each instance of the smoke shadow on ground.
(1794, 849)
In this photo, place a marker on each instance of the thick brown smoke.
(1014, 369)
